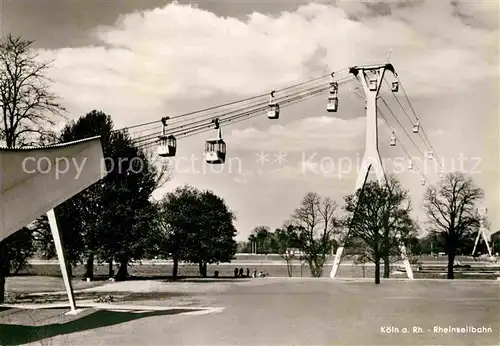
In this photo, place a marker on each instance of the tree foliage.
(212, 239)
(109, 220)
(261, 239)
(196, 226)
(451, 211)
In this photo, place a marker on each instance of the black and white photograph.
(249, 172)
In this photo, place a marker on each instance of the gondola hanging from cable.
(395, 87)
(167, 144)
(333, 100)
(273, 110)
(416, 126)
(215, 149)
(333, 103)
(393, 140)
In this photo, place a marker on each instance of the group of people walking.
(238, 273)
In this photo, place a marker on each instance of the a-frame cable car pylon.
(481, 232)
(371, 78)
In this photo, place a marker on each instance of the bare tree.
(286, 243)
(28, 108)
(397, 221)
(316, 224)
(28, 105)
(451, 211)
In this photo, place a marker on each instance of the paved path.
(317, 312)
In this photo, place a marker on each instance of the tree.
(379, 216)
(286, 244)
(315, 225)
(451, 210)
(212, 237)
(196, 226)
(110, 219)
(261, 236)
(128, 211)
(79, 216)
(21, 247)
(29, 112)
(175, 223)
(28, 105)
(252, 241)
(396, 221)
(431, 243)
(362, 258)
(495, 242)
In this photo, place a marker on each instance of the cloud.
(243, 177)
(148, 58)
(155, 63)
(287, 172)
(307, 134)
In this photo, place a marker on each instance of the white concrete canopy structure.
(33, 181)
(371, 78)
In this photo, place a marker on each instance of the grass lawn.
(227, 270)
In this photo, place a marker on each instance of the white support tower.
(482, 232)
(371, 78)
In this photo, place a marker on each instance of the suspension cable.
(259, 107)
(282, 100)
(238, 101)
(425, 140)
(401, 144)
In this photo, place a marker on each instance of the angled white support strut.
(371, 79)
(54, 228)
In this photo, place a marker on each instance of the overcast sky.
(141, 60)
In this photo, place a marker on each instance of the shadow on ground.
(12, 334)
(34, 298)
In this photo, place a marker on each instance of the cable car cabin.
(416, 127)
(430, 155)
(215, 151)
(333, 104)
(372, 85)
(395, 87)
(422, 181)
(167, 146)
(273, 112)
(393, 141)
